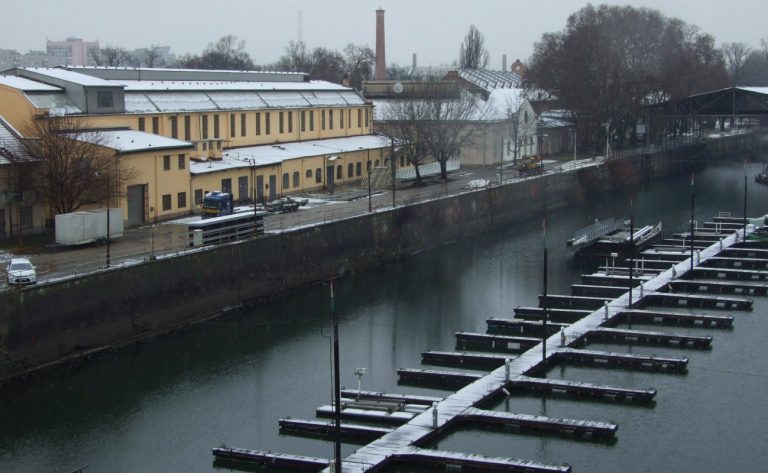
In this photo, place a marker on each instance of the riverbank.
(103, 311)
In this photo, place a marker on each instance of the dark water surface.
(161, 406)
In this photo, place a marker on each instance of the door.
(2, 224)
(260, 188)
(272, 186)
(329, 177)
(136, 204)
(242, 188)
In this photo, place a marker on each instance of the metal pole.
(544, 299)
(501, 162)
(745, 200)
(632, 248)
(575, 137)
(336, 384)
(392, 166)
(370, 207)
(692, 234)
(108, 257)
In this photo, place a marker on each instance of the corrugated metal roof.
(70, 76)
(267, 155)
(489, 80)
(27, 85)
(128, 141)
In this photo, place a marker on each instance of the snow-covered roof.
(490, 80)
(10, 143)
(758, 90)
(503, 103)
(268, 155)
(184, 101)
(484, 111)
(27, 85)
(200, 85)
(70, 76)
(129, 141)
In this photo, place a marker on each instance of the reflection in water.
(162, 405)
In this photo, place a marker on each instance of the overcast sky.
(433, 29)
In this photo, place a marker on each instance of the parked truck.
(217, 204)
(88, 226)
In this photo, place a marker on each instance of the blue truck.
(217, 204)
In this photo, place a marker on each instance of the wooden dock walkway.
(529, 328)
(524, 372)
(328, 429)
(250, 458)
(562, 316)
(500, 343)
(642, 337)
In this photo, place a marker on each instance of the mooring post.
(506, 368)
(562, 337)
(605, 306)
(434, 415)
(641, 290)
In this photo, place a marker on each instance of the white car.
(21, 272)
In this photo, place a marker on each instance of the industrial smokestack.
(504, 63)
(414, 60)
(381, 63)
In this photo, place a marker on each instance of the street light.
(368, 166)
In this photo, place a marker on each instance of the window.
(182, 161)
(187, 127)
(376, 163)
(341, 118)
(286, 180)
(218, 145)
(242, 124)
(166, 163)
(258, 123)
(367, 117)
(360, 118)
(104, 99)
(303, 120)
(174, 127)
(198, 196)
(311, 120)
(232, 129)
(330, 119)
(205, 127)
(167, 202)
(155, 125)
(226, 185)
(402, 161)
(339, 172)
(350, 170)
(322, 120)
(216, 126)
(290, 122)
(266, 123)
(142, 127)
(181, 200)
(205, 146)
(318, 175)
(359, 169)
(309, 174)
(25, 217)
(280, 121)
(296, 178)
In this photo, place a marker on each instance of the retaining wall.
(68, 320)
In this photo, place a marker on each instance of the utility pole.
(392, 167)
(336, 384)
(370, 168)
(745, 200)
(544, 334)
(692, 229)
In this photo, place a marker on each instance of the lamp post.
(369, 167)
(108, 257)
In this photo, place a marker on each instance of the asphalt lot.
(170, 238)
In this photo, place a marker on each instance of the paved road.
(167, 239)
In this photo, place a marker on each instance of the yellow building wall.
(16, 109)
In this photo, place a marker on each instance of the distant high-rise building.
(72, 52)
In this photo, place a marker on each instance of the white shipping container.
(88, 226)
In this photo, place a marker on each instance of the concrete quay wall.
(72, 320)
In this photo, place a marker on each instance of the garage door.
(136, 206)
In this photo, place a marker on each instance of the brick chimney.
(504, 62)
(381, 63)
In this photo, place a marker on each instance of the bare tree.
(327, 65)
(521, 124)
(74, 164)
(113, 56)
(150, 56)
(227, 54)
(401, 119)
(295, 58)
(359, 64)
(472, 53)
(735, 55)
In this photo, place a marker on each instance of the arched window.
(318, 176)
(350, 170)
(376, 163)
(309, 174)
(359, 169)
(286, 181)
(296, 177)
(339, 172)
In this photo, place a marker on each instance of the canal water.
(162, 405)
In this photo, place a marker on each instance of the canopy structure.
(732, 101)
